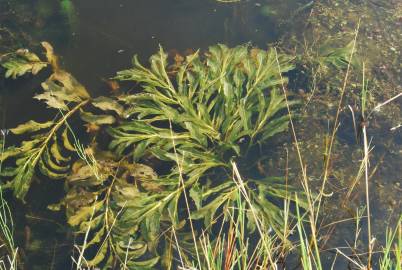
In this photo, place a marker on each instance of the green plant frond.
(21, 62)
(123, 217)
(193, 118)
(57, 154)
(31, 126)
(226, 94)
(60, 89)
(97, 119)
(23, 178)
(337, 57)
(66, 141)
(207, 212)
(42, 150)
(108, 104)
(199, 116)
(140, 131)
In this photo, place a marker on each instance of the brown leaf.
(113, 85)
(178, 59)
(51, 57)
(92, 128)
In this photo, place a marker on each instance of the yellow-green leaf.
(31, 126)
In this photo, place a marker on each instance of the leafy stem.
(56, 127)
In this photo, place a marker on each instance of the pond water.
(96, 38)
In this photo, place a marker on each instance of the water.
(96, 38)
(104, 35)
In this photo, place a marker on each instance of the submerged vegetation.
(175, 154)
(195, 120)
(223, 158)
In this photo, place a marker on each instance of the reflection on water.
(98, 37)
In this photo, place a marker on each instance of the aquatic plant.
(197, 118)
(209, 112)
(103, 201)
(214, 111)
(43, 150)
(21, 62)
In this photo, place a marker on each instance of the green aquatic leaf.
(144, 265)
(67, 142)
(207, 212)
(212, 108)
(52, 101)
(337, 57)
(56, 152)
(102, 119)
(31, 126)
(60, 89)
(108, 104)
(22, 180)
(196, 195)
(193, 119)
(52, 169)
(134, 249)
(114, 221)
(36, 153)
(21, 62)
(42, 152)
(84, 213)
(98, 258)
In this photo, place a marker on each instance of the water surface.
(99, 37)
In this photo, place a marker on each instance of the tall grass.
(233, 247)
(392, 251)
(8, 248)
